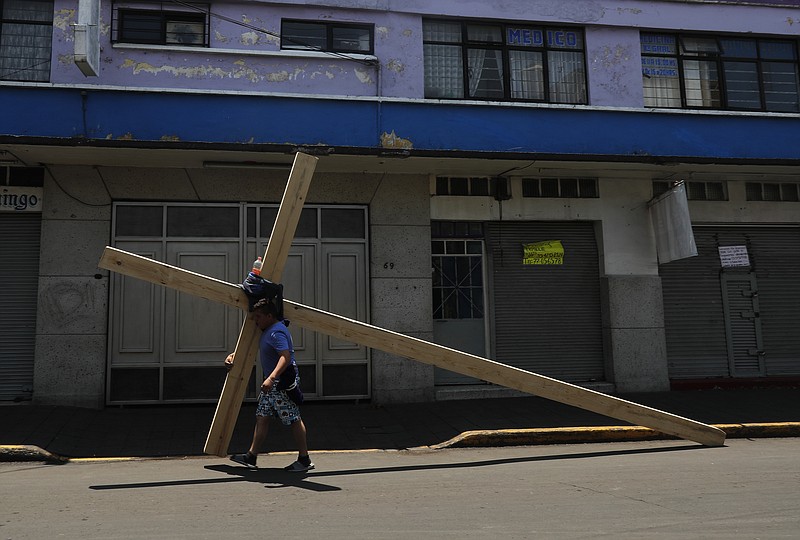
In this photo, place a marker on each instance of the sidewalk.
(29, 432)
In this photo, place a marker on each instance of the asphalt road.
(658, 489)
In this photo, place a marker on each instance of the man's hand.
(229, 362)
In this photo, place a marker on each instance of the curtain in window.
(485, 66)
(25, 45)
(527, 74)
(485, 73)
(567, 77)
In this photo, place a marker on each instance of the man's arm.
(283, 361)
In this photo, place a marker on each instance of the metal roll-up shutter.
(19, 274)
(775, 258)
(547, 318)
(693, 314)
(694, 310)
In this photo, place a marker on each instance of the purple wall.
(233, 62)
(611, 38)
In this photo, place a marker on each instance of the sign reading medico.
(20, 199)
(548, 252)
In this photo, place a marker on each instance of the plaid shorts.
(276, 403)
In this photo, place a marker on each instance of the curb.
(23, 452)
(501, 437)
(541, 436)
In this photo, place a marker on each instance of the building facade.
(486, 181)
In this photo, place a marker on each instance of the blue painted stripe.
(104, 115)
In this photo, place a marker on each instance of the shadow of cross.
(370, 336)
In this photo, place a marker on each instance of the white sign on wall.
(732, 256)
(20, 199)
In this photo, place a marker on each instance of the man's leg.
(299, 434)
(303, 462)
(259, 434)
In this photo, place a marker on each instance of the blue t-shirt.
(274, 339)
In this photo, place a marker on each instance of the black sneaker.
(299, 467)
(247, 460)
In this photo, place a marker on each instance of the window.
(182, 24)
(695, 191)
(478, 186)
(577, 188)
(772, 191)
(22, 176)
(720, 73)
(457, 264)
(327, 36)
(466, 60)
(26, 37)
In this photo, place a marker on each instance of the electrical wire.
(516, 168)
(73, 197)
(27, 68)
(344, 56)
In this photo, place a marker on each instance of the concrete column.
(633, 311)
(400, 270)
(72, 315)
(633, 330)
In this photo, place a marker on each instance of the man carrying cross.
(371, 336)
(276, 354)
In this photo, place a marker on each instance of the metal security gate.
(166, 346)
(734, 320)
(19, 274)
(743, 325)
(547, 318)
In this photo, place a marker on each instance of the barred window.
(520, 62)
(714, 72)
(327, 36)
(26, 38)
(578, 188)
(772, 191)
(161, 23)
(695, 191)
(457, 264)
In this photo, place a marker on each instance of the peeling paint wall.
(243, 59)
(610, 56)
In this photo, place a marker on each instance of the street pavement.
(629, 490)
(30, 432)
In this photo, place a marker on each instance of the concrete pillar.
(633, 311)
(400, 271)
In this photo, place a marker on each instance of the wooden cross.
(280, 241)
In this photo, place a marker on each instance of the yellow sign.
(547, 252)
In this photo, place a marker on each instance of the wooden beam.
(429, 353)
(244, 356)
(502, 374)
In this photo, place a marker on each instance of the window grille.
(327, 36)
(772, 191)
(695, 191)
(465, 186)
(457, 265)
(161, 23)
(26, 38)
(577, 188)
(716, 72)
